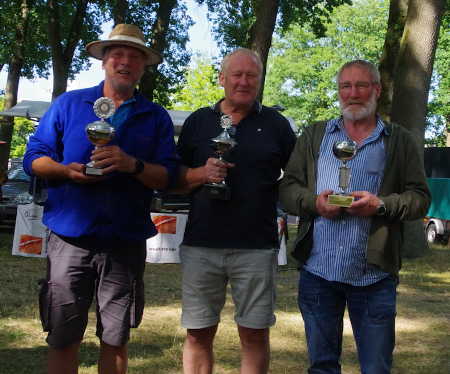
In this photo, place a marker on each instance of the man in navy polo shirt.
(100, 224)
(232, 239)
(351, 256)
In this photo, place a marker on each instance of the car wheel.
(432, 235)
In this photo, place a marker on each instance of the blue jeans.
(372, 314)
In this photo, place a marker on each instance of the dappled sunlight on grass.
(423, 333)
(24, 332)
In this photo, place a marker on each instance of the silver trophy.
(222, 144)
(343, 150)
(100, 132)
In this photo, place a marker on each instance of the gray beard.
(365, 112)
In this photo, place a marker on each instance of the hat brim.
(96, 49)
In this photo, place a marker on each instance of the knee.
(252, 337)
(116, 350)
(201, 337)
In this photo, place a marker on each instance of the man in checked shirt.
(351, 256)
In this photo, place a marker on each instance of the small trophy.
(100, 132)
(344, 150)
(222, 144)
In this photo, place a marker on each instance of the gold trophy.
(222, 144)
(343, 150)
(100, 132)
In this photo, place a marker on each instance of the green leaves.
(302, 67)
(201, 88)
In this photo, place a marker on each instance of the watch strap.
(138, 167)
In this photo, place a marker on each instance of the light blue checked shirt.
(339, 249)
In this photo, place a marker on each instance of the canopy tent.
(34, 110)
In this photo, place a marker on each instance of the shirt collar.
(97, 92)
(338, 124)
(256, 108)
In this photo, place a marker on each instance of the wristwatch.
(138, 167)
(381, 210)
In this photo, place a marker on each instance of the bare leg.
(63, 360)
(113, 360)
(198, 351)
(255, 350)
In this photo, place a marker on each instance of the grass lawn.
(423, 322)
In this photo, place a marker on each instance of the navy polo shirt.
(248, 220)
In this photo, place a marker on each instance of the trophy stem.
(344, 178)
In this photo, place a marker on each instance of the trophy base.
(93, 172)
(218, 191)
(343, 201)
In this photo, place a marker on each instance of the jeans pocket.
(382, 301)
(45, 297)
(137, 303)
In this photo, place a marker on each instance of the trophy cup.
(222, 144)
(343, 150)
(100, 132)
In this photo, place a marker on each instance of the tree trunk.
(62, 56)
(415, 65)
(411, 86)
(12, 83)
(260, 38)
(159, 43)
(388, 62)
(119, 11)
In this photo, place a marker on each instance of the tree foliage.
(438, 119)
(23, 128)
(233, 19)
(71, 25)
(168, 36)
(251, 23)
(37, 53)
(302, 67)
(201, 88)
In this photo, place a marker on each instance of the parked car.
(437, 169)
(15, 191)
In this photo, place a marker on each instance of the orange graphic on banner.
(30, 244)
(165, 224)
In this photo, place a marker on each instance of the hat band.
(128, 39)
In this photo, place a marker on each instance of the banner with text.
(164, 247)
(30, 234)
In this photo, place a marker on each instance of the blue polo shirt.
(339, 249)
(118, 206)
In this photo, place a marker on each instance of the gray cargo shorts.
(251, 274)
(75, 275)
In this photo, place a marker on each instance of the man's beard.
(363, 112)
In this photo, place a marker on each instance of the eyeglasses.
(360, 86)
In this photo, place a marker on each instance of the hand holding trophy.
(343, 150)
(222, 144)
(100, 132)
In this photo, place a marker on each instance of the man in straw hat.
(99, 224)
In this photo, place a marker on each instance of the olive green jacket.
(403, 189)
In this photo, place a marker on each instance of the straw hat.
(125, 35)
